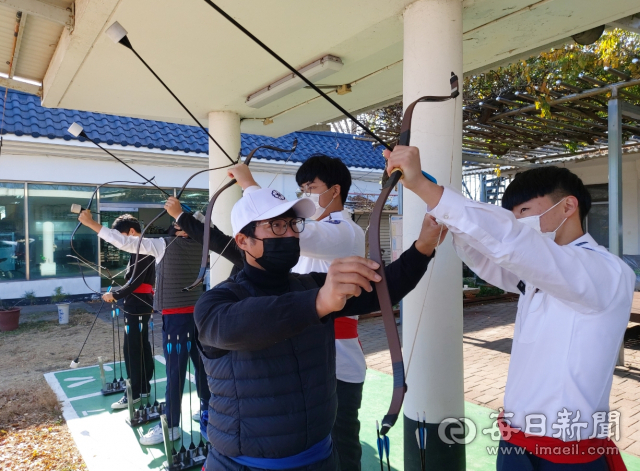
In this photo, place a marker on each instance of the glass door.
(115, 261)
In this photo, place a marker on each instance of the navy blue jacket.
(270, 360)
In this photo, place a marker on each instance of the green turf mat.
(107, 442)
(375, 401)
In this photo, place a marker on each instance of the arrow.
(380, 446)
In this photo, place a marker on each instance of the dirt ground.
(33, 434)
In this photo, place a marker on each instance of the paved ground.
(488, 333)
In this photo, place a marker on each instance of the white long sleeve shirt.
(574, 306)
(155, 247)
(321, 242)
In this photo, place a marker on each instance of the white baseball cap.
(259, 204)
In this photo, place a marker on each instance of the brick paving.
(487, 338)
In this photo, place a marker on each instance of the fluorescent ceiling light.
(317, 70)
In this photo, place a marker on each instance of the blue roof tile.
(24, 115)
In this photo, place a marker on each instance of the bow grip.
(201, 274)
(388, 421)
(396, 176)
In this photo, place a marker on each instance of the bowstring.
(230, 240)
(113, 278)
(107, 278)
(135, 266)
(433, 262)
(281, 170)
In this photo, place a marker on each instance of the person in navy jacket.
(267, 338)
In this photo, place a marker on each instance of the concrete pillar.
(432, 50)
(224, 126)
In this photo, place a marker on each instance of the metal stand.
(181, 460)
(144, 414)
(618, 108)
(112, 387)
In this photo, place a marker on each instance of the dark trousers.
(175, 328)
(346, 429)
(138, 358)
(511, 458)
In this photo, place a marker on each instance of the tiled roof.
(25, 116)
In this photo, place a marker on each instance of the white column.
(432, 50)
(224, 126)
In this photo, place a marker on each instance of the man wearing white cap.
(330, 235)
(267, 338)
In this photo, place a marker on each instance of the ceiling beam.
(21, 86)
(630, 23)
(42, 9)
(630, 111)
(72, 49)
(16, 53)
(503, 162)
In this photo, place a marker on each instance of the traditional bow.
(399, 386)
(79, 257)
(76, 130)
(375, 253)
(162, 213)
(212, 202)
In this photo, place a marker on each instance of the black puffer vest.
(177, 269)
(275, 402)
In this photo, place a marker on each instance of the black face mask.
(280, 254)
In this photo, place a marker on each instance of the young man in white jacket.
(575, 301)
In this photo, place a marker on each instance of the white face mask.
(315, 197)
(534, 222)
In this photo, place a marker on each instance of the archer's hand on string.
(431, 235)
(347, 277)
(108, 298)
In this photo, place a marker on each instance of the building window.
(598, 217)
(197, 200)
(51, 224)
(12, 233)
(142, 203)
(598, 223)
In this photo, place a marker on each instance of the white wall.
(596, 172)
(45, 287)
(64, 170)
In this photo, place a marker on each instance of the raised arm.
(253, 323)
(219, 242)
(154, 247)
(585, 279)
(348, 290)
(485, 267)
